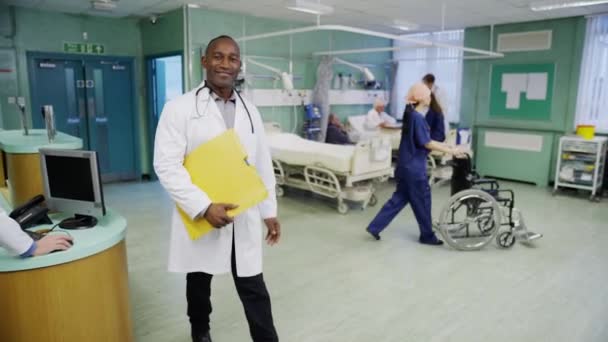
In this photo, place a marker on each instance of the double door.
(93, 99)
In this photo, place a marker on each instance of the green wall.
(206, 24)
(166, 36)
(46, 31)
(566, 53)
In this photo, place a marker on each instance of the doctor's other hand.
(51, 243)
(274, 231)
(217, 214)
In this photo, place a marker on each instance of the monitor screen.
(70, 178)
(72, 183)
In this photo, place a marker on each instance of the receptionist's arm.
(17, 242)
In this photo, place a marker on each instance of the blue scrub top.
(436, 124)
(411, 164)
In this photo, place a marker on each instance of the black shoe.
(201, 337)
(375, 235)
(433, 241)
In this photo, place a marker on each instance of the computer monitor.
(72, 185)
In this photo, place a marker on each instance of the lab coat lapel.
(209, 109)
(241, 122)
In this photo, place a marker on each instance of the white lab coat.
(181, 130)
(373, 120)
(15, 240)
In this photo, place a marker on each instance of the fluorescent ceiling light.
(103, 5)
(309, 7)
(550, 6)
(405, 25)
(194, 6)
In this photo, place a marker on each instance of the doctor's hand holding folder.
(220, 168)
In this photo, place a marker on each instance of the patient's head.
(333, 120)
(379, 105)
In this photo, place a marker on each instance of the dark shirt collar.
(216, 97)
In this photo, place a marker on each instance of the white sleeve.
(15, 240)
(268, 208)
(170, 149)
(388, 119)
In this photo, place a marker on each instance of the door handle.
(101, 120)
(81, 109)
(73, 121)
(91, 107)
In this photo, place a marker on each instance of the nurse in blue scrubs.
(435, 119)
(412, 184)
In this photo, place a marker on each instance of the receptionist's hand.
(217, 214)
(51, 243)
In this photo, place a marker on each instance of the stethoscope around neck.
(206, 106)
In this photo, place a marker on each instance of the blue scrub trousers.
(418, 194)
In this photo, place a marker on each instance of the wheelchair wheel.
(470, 220)
(505, 240)
(486, 225)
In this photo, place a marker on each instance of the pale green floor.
(330, 282)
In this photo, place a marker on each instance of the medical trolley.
(580, 164)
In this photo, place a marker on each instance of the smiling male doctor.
(236, 245)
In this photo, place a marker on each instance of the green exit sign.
(90, 48)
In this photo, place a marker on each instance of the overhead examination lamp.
(370, 79)
(286, 78)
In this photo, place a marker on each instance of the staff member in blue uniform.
(434, 117)
(412, 183)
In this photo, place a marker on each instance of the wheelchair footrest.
(530, 236)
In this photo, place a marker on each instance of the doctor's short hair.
(214, 40)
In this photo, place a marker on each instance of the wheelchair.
(478, 209)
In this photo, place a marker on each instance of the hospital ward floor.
(331, 282)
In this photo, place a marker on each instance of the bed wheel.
(505, 240)
(279, 191)
(343, 208)
(373, 200)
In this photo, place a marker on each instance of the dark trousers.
(252, 292)
(417, 193)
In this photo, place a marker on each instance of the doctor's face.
(222, 63)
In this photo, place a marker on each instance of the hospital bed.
(341, 172)
(438, 167)
(357, 132)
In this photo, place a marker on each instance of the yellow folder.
(219, 167)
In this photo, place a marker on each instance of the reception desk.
(70, 296)
(20, 159)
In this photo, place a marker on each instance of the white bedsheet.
(295, 150)
(358, 132)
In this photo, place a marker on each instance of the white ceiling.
(370, 14)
